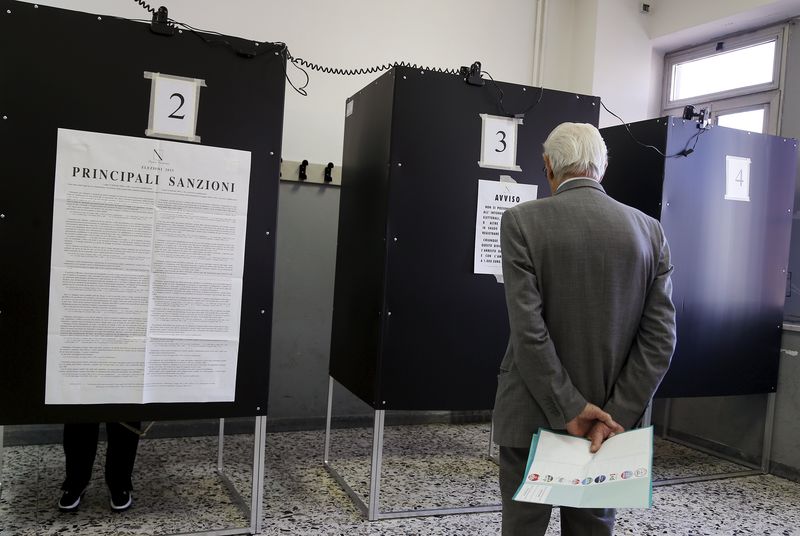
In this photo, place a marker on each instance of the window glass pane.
(742, 67)
(752, 120)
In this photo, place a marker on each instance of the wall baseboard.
(43, 434)
(785, 471)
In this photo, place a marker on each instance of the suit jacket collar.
(579, 183)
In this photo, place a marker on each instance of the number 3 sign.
(499, 142)
(174, 101)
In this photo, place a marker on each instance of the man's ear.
(548, 167)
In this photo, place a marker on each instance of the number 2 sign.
(499, 142)
(174, 101)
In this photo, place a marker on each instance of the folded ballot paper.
(561, 471)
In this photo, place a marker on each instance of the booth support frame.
(255, 511)
(754, 469)
(371, 508)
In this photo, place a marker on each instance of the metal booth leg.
(221, 443)
(2, 434)
(667, 415)
(328, 415)
(491, 456)
(491, 438)
(259, 455)
(377, 463)
(769, 424)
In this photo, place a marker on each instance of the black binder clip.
(472, 74)
(303, 166)
(161, 24)
(703, 116)
(328, 170)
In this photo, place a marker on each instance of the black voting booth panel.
(730, 256)
(413, 327)
(64, 69)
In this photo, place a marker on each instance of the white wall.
(447, 33)
(602, 47)
(569, 41)
(610, 49)
(680, 23)
(627, 74)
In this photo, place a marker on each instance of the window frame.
(731, 43)
(769, 100)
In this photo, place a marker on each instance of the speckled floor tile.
(178, 490)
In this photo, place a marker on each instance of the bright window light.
(743, 67)
(752, 120)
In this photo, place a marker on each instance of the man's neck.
(570, 179)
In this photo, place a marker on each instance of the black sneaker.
(120, 500)
(70, 500)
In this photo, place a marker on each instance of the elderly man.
(588, 292)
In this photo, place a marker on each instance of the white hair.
(576, 149)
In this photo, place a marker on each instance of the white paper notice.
(494, 198)
(146, 270)
(737, 178)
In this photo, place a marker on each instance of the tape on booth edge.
(506, 179)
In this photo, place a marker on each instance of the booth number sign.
(499, 142)
(737, 178)
(174, 101)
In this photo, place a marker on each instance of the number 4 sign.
(174, 101)
(499, 142)
(737, 178)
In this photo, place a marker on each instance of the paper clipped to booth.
(494, 198)
(561, 471)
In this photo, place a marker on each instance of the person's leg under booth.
(80, 449)
(519, 518)
(121, 455)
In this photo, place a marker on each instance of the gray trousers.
(528, 519)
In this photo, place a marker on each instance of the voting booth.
(138, 201)
(430, 162)
(724, 197)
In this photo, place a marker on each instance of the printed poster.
(494, 198)
(146, 270)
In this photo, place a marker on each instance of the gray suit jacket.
(588, 292)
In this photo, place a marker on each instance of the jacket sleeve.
(535, 356)
(651, 352)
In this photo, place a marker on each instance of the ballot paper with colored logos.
(561, 471)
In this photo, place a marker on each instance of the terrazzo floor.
(178, 490)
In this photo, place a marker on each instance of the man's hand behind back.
(594, 424)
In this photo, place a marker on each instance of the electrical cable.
(686, 149)
(145, 5)
(301, 64)
(501, 95)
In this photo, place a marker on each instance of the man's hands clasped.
(594, 424)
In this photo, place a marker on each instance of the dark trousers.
(80, 448)
(529, 519)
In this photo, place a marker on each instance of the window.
(752, 120)
(738, 78)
